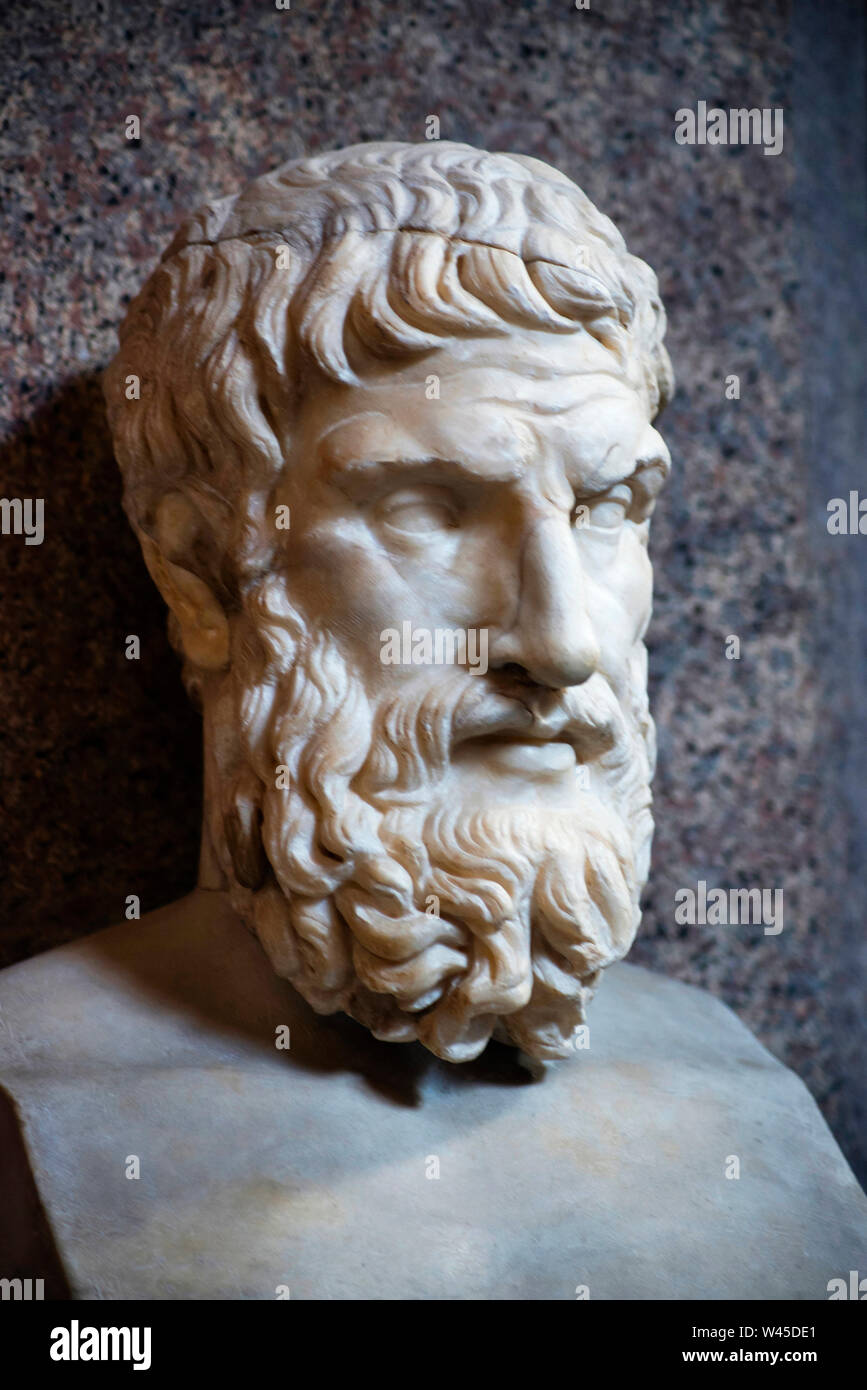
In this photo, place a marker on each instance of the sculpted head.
(391, 462)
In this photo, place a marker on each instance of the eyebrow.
(484, 465)
(351, 477)
(386, 468)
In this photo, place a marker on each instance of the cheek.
(467, 580)
(344, 578)
(636, 591)
(450, 577)
(467, 576)
(620, 598)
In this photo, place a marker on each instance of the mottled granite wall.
(101, 761)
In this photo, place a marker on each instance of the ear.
(199, 614)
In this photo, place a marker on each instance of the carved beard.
(423, 920)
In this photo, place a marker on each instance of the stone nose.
(553, 638)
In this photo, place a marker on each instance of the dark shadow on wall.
(101, 755)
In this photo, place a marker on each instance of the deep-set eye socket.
(605, 512)
(417, 511)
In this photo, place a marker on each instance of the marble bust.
(407, 390)
(385, 422)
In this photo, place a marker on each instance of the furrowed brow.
(359, 475)
(648, 468)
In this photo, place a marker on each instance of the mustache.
(589, 717)
(415, 734)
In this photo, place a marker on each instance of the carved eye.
(417, 512)
(605, 513)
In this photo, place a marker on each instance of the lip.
(551, 757)
(505, 718)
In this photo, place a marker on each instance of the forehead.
(497, 407)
